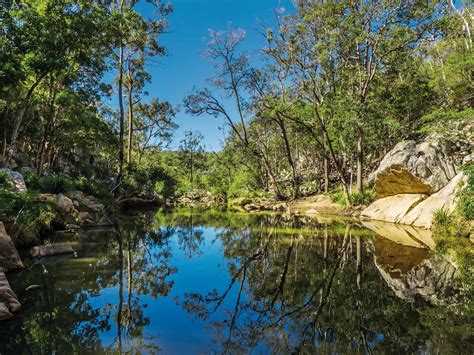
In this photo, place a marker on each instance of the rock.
(65, 204)
(9, 303)
(9, 258)
(422, 214)
(17, 180)
(422, 168)
(85, 202)
(253, 207)
(50, 250)
(392, 208)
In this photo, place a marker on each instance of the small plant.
(365, 197)
(442, 218)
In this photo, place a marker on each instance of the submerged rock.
(9, 257)
(9, 303)
(411, 168)
(50, 250)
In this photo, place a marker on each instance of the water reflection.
(200, 282)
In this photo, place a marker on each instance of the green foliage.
(27, 217)
(466, 197)
(443, 218)
(357, 198)
(148, 180)
(63, 184)
(5, 180)
(362, 198)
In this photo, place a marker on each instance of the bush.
(27, 218)
(5, 180)
(63, 184)
(466, 196)
(357, 198)
(362, 198)
(442, 218)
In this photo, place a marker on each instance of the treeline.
(73, 76)
(341, 83)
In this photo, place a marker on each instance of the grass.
(364, 198)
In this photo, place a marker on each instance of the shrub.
(5, 179)
(466, 196)
(357, 198)
(362, 198)
(442, 218)
(27, 218)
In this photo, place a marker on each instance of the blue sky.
(183, 68)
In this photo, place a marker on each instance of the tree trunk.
(295, 178)
(19, 120)
(326, 174)
(360, 160)
(130, 119)
(122, 118)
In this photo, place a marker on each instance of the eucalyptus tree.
(335, 52)
(190, 152)
(228, 97)
(43, 39)
(135, 44)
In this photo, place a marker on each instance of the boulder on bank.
(9, 303)
(9, 258)
(422, 214)
(51, 250)
(392, 208)
(17, 180)
(411, 168)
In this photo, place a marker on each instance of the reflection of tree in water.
(63, 315)
(295, 292)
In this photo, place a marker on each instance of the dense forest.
(338, 85)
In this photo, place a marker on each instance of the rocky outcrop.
(51, 250)
(9, 303)
(411, 168)
(415, 209)
(392, 208)
(17, 181)
(422, 214)
(9, 258)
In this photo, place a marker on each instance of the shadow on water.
(186, 281)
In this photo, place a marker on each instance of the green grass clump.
(357, 198)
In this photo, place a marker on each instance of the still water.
(186, 282)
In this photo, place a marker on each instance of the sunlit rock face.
(413, 272)
(411, 168)
(9, 258)
(392, 208)
(422, 214)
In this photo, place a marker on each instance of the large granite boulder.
(392, 208)
(9, 258)
(17, 181)
(9, 303)
(422, 214)
(411, 168)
